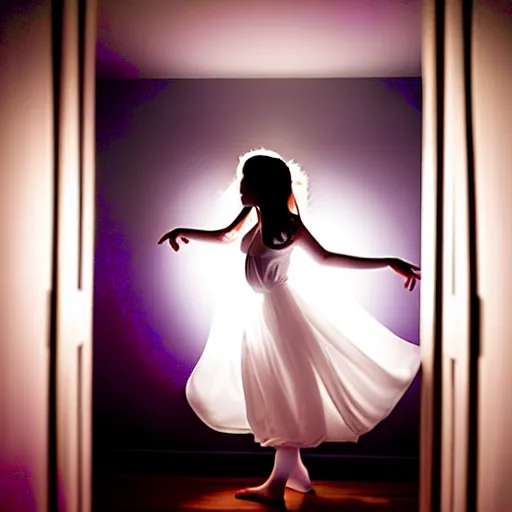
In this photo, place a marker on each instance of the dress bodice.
(265, 268)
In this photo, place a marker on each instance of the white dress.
(276, 366)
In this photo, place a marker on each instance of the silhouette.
(293, 375)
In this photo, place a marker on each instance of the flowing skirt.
(292, 374)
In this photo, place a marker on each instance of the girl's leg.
(299, 479)
(272, 491)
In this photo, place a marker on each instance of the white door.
(451, 300)
(76, 199)
(26, 235)
(460, 303)
(492, 104)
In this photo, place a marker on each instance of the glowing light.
(217, 268)
(216, 271)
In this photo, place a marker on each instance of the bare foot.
(299, 480)
(262, 494)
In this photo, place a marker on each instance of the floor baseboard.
(247, 464)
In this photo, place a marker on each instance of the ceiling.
(259, 38)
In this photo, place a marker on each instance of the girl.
(281, 370)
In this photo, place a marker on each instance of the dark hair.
(270, 181)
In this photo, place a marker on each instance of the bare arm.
(313, 247)
(229, 233)
(226, 234)
(407, 270)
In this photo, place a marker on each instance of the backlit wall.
(166, 152)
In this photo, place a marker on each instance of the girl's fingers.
(414, 273)
(411, 274)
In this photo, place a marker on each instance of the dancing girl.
(286, 371)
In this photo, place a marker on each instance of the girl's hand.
(410, 272)
(173, 237)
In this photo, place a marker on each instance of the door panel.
(26, 234)
(74, 253)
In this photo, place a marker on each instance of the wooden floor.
(151, 493)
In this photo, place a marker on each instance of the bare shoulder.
(247, 239)
(300, 228)
(305, 239)
(301, 232)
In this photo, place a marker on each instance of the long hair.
(270, 179)
(300, 182)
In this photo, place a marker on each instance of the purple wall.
(164, 149)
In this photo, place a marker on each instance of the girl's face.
(247, 197)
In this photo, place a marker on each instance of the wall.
(26, 210)
(492, 106)
(164, 151)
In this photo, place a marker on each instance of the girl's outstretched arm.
(410, 272)
(226, 234)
